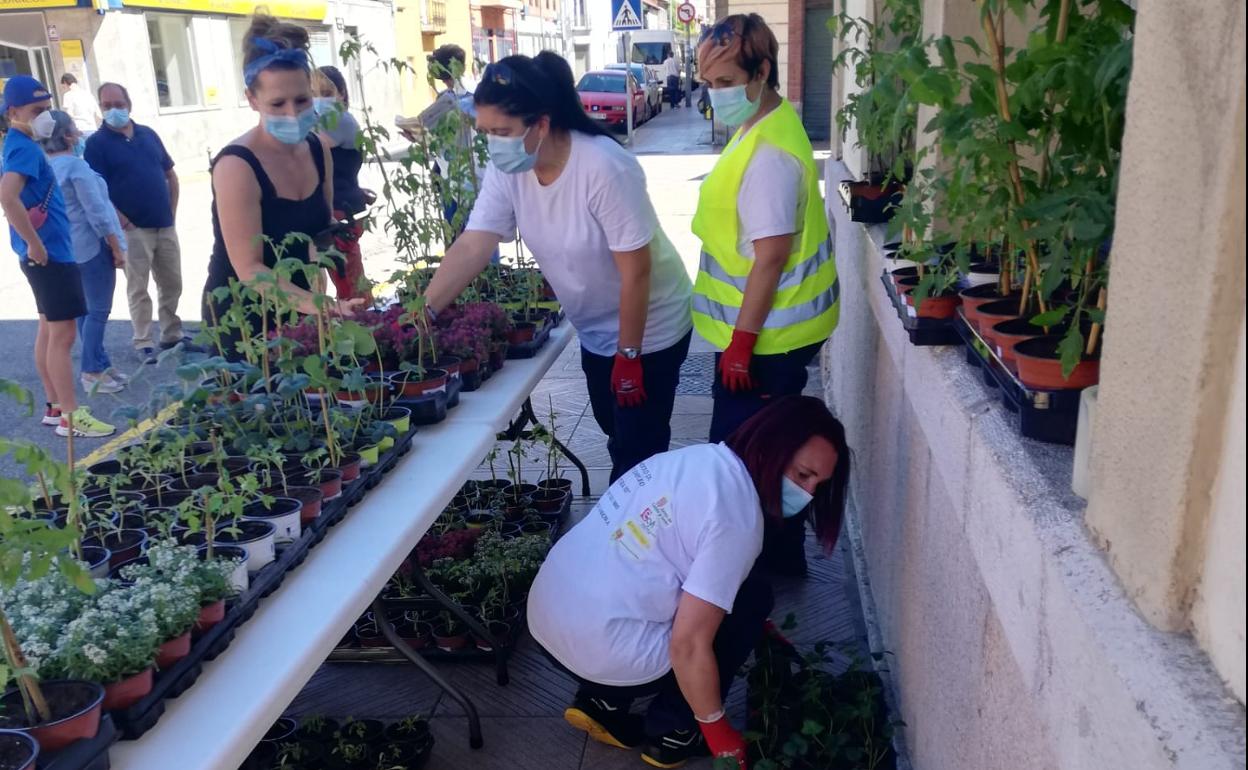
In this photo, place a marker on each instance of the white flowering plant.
(113, 639)
(207, 578)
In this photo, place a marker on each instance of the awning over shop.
(309, 10)
(26, 5)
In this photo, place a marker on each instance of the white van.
(651, 48)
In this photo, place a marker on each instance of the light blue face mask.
(793, 499)
(80, 147)
(508, 155)
(117, 117)
(290, 130)
(732, 106)
(324, 105)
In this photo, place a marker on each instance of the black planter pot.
(312, 731)
(18, 750)
(283, 729)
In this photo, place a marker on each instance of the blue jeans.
(782, 374)
(737, 636)
(637, 432)
(99, 279)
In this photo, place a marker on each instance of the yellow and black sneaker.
(675, 748)
(605, 723)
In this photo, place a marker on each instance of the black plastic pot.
(283, 729)
(18, 750)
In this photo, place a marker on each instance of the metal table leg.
(517, 430)
(474, 721)
(501, 651)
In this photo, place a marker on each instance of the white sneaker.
(100, 383)
(117, 376)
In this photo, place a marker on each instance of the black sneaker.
(675, 748)
(147, 355)
(612, 725)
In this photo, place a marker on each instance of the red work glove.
(626, 382)
(734, 363)
(724, 740)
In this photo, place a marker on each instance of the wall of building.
(776, 14)
(1027, 629)
(413, 45)
(117, 48)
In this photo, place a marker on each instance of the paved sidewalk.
(523, 722)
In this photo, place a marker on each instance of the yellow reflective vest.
(807, 302)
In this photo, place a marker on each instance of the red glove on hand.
(734, 363)
(626, 382)
(724, 740)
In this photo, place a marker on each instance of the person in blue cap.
(39, 231)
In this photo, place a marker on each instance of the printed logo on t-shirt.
(624, 542)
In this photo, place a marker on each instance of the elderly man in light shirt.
(80, 105)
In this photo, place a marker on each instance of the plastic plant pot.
(239, 580)
(257, 538)
(310, 497)
(350, 465)
(368, 455)
(550, 500)
(76, 708)
(97, 558)
(978, 296)
(400, 417)
(452, 365)
(210, 615)
(282, 730)
(1007, 334)
(564, 485)
(18, 749)
(936, 306)
(368, 635)
(126, 692)
(479, 520)
(194, 481)
(173, 650)
(982, 274)
(1039, 366)
(123, 544)
(328, 480)
(283, 513)
(522, 332)
(450, 640)
(408, 386)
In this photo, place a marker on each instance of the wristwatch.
(630, 353)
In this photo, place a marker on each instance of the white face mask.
(43, 125)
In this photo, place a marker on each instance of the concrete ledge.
(1015, 645)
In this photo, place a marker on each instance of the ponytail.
(528, 88)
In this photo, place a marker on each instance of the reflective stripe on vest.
(779, 317)
(805, 308)
(788, 279)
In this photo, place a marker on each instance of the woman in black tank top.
(274, 180)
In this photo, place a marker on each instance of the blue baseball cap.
(22, 90)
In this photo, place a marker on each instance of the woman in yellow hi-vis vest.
(766, 293)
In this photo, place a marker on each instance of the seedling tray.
(923, 332)
(427, 409)
(133, 722)
(1051, 416)
(869, 203)
(86, 754)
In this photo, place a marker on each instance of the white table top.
(217, 722)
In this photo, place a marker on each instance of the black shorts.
(58, 289)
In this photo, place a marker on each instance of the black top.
(279, 217)
(348, 197)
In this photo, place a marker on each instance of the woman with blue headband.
(274, 181)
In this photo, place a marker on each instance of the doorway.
(24, 49)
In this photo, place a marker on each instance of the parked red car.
(603, 94)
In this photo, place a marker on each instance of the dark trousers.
(737, 637)
(635, 433)
(673, 90)
(783, 374)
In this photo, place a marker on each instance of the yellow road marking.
(116, 442)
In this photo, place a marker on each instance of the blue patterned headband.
(274, 54)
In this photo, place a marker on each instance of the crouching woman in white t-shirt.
(655, 591)
(579, 202)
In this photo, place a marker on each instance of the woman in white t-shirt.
(655, 591)
(579, 202)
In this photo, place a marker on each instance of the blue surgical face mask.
(80, 147)
(324, 105)
(732, 106)
(288, 129)
(793, 499)
(117, 117)
(508, 155)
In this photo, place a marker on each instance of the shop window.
(173, 59)
(238, 30)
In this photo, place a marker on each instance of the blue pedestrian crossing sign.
(625, 14)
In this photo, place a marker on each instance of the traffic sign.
(625, 14)
(686, 13)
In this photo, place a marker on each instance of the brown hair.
(747, 39)
(268, 35)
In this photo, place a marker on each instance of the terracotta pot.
(76, 708)
(450, 643)
(452, 365)
(1040, 368)
(328, 480)
(990, 314)
(210, 615)
(550, 500)
(942, 306)
(173, 650)
(127, 692)
(469, 365)
(522, 332)
(976, 297)
(349, 467)
(1007, 334)
(311, 497)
